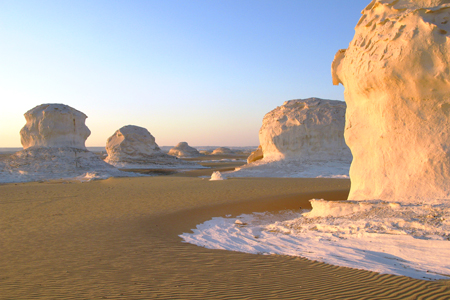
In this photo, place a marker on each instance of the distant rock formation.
(54, 147)
(216, 176)
(222, 151)
(255, 155)
(308, 129)
(396, 78)
(54, 125)
(134, 147)
(184, 150)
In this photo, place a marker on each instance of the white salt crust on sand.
(385, 237)
(292, 168)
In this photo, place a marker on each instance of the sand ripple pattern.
(118, 239)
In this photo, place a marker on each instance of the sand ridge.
(118, 239)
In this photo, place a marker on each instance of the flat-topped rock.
(305, 129)
(54, 125)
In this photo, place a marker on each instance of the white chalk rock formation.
(134, 147)
(54, 125)
(308, 129)
(222, 151)
(184, 150)
(396, 78)
(216, 176)
(301, 138)
(255, 155)
(54, 147)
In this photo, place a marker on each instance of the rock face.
(222, 151)
(309, 129)
(255, 155)
(184, 150)
(134, 147)
(54, 125)
(396, 78)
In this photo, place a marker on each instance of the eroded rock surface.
(54, 125)
(305, 129)
(396, 78)
(54, 148)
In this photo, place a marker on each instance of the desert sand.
(118, 239)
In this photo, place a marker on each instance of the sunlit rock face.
(308, 129)
(396, 78)
(184, 150)
(54, 125)
(255, 155)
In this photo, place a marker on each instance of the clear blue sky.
(201, 71)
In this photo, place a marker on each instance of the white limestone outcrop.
(396, 78)
(255, 155)
(216, 176)
(133, 147)
(42, 163)
(184, 150)
(54, 125)
(305, 129)
(301, 138)
(54, 148)
(222, 151)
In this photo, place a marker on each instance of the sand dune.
(118, 239)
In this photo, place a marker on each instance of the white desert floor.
(293, 169)
(390, 238)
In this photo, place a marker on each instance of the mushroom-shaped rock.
(54, 148)
(396, 78)
(255, 155)
(54, 125)
(184, 150)
(134, 147)
(308, 129)
(222, 151)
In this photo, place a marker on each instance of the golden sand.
(118, 239)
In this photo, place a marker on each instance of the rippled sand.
(118, 239)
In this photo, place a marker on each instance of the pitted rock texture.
(305, 129)
(396, 78)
